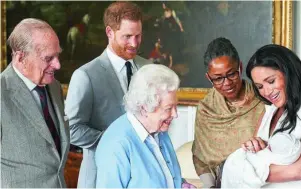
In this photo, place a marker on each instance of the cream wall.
(182, 128)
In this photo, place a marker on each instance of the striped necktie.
(43, 99)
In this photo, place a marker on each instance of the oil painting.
(175, 33)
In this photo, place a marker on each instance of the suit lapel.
(137, 62)
(58, 107)
(113, 81)
(25, 102)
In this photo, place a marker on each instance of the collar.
(30, 85)
(140, 130)
(273, 109)
(156, 137)
(117, 62)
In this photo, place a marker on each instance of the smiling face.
(40, 64)
(126, 40)
(270, 84)
(225, 66)
(160, 119)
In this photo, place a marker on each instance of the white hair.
(147, 86)
(21, 37)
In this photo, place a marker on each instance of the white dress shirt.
(155, 143)
(31, 86)
(118, 64)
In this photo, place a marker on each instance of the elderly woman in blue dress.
(136, 151)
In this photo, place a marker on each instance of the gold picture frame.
(282, 17)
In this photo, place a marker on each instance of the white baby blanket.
(250, 170)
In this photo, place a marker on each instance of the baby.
(250, 170)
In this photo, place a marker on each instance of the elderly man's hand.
(187, 185)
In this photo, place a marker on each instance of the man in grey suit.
(34, 135)
(96, 89)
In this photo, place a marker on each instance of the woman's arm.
(203, 172)
(278, 173)
(285, 173)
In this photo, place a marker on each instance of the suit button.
(168, 162)
(161, 147)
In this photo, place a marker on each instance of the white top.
(264, 129)
(250, 170)
(30, 85)
(154, 141)
(263, 132)
(118, 64)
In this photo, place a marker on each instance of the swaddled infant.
(244, 169)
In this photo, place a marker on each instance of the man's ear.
(19, 56)
(110, 32)
(19, 60)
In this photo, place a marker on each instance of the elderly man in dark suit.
(34, 134)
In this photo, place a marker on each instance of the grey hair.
(147, 86)
(220, 47)
(21, 37)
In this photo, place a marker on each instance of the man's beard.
(121, 52)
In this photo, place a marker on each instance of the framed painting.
(175, 33)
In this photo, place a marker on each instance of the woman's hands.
(254, 145)
(187, 185)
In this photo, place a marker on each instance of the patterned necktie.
(129, 72)
(43, 99)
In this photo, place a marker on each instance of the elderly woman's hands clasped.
(187, 185)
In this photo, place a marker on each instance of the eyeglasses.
(220, 80)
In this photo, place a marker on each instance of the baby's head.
(285, 149)
(281, 143)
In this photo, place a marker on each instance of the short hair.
(118, 11)
(220, 47)
(147, 86)
(287, 62)
(21, 37)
